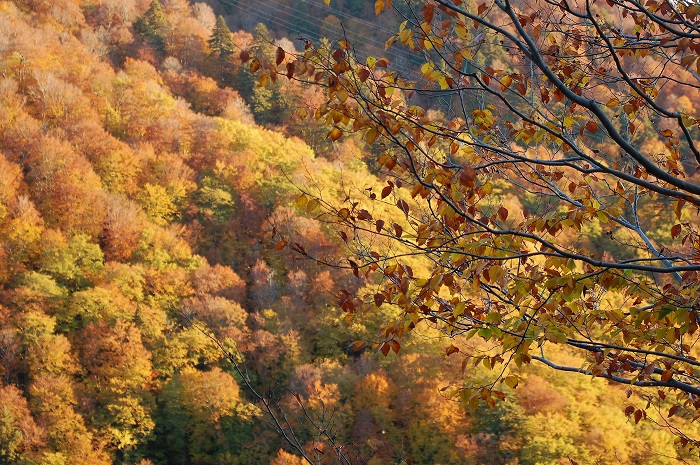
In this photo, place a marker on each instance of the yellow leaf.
(327, 2)
(506, 81)
(612, 103)
(511, 381)
(569, 121)
(371, 135)
(301, 201)
(427, 68)
(461, 31)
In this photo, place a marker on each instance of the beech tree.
(542, 167)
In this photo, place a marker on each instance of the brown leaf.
(451, 350)
(355, 268)
(638, 416)
(279, 56)
(364, 215)
(468, 176)
(387, 190)
(363, 74)
(502, 213)
(244, 56)
(379, 299)
(380, 225)
(395, 346)
(384, 348)
(675, 231)
(692, 11)
(673, 410)
(403, 206)
(398, 230)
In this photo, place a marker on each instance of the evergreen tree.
(269, 104)
(220, 42)
(153, 24)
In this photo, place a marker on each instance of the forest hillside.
(145, 180)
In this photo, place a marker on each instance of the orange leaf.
(378, 7)
(591, 126)
(280, 245)
(335, 134)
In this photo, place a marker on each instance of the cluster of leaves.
(588, 128)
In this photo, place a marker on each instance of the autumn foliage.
(154, 202)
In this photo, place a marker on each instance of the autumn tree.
(527, 126)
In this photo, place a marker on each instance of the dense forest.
(145, 181)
